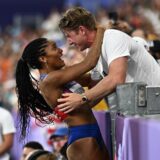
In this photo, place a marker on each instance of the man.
(30, 147)
(122, 59)
(59, 141)
(7, 130)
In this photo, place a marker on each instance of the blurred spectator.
(140, 36)
(41, 155)
(139, 33)
(29, 147)
(51, 31)
(121, 25)
(5, 64)
(7, 130)
(71, 55)
(151, 12)
(59, 140)
(154, 47)
(102, 16)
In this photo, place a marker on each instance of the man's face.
(77, 38)
(25, 152)
(58, 143)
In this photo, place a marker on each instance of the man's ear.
(82, 30)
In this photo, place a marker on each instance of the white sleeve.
(116, 44)
(7, 123)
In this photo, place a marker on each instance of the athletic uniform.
(81, 131)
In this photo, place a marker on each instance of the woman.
(39, 99)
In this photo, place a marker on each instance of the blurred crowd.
(137, 18)
(141, 18)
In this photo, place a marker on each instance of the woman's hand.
(69, 102)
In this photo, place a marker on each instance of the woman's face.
(54, 56)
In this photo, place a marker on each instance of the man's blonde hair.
(75, 17)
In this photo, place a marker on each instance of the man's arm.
(7, 143)
(116, 75)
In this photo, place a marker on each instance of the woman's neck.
(43, 74)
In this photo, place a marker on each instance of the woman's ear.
(42, 59)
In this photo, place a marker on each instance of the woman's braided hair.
(30, 101)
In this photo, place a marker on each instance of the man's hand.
(69, 102)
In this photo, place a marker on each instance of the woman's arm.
(86, 80)
(71, 73)
(106, 86)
